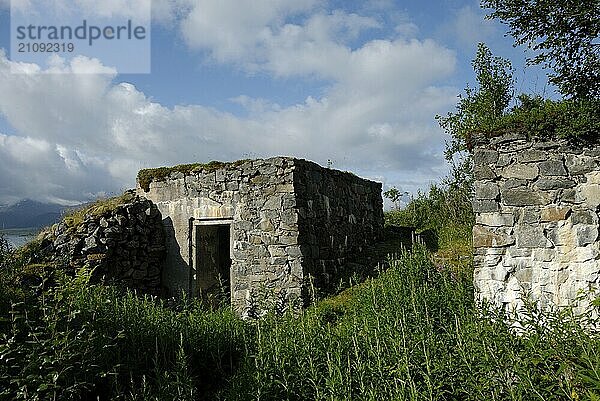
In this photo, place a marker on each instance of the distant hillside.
(29, 213)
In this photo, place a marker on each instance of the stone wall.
(272, 206)
(339, 214)
(536, 231)
(256, 198)
(125, 244)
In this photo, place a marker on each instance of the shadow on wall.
(175, 270)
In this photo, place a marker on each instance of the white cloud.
(139, 9)
(469, 26)
(84, 133)
(231, 29)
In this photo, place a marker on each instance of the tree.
(394, 195)
(565, 35)
(477, 112)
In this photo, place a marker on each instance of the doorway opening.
(213, 262)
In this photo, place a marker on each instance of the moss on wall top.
(75, 217)
(145, 177)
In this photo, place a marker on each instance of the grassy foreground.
(412, 333)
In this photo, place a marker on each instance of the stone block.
(561, 235)
(589, 194)
(568, 196)
(495, 219)
(545, 183)
(544, 255)
(552, 168)
(593, 177)
(584, 216)
(554, 213)
(504, 160)
(515, 252)
(531, 237)
(486, 190)
(521, 171)
(266, 225)
(532, 155)
(579, 164)
(273, 203)
(524, 275)
(485, 156)
(485, 206)
(530, 215)
(523, 197)
(483, 172)
(485, 238)
(586, 234)
(514, 183)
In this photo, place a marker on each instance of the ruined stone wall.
(257, 198)
(536, 232)
(339, 212)
(125, 244)
(288, 217)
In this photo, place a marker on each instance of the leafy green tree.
(478, 111)
(565, 35)
(394, 195)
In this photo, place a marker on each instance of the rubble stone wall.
(125, 245)
(340, 214)
(537, 213)
(257, 199)
(286, 216)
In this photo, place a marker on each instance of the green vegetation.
(485, 112)
(145, 177)
(444, 216)
(413, 333)
(545, 118)
(563, 33)
(98, 208)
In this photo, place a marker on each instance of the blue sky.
(358, 83)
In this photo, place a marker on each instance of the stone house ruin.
(260, 225)
(537, 212)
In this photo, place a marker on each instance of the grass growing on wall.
(147, 176)
(536, 117)
(95, 209)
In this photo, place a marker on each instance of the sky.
(356, 84)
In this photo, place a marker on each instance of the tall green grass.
(83, 341)
(413, 333)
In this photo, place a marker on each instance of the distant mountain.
(29, 213)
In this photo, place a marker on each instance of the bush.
(545, 118)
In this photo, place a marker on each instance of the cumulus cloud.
(469, 26)
(139, 9)
(81, 134)
(232, 30)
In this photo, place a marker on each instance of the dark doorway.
(213, 263)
